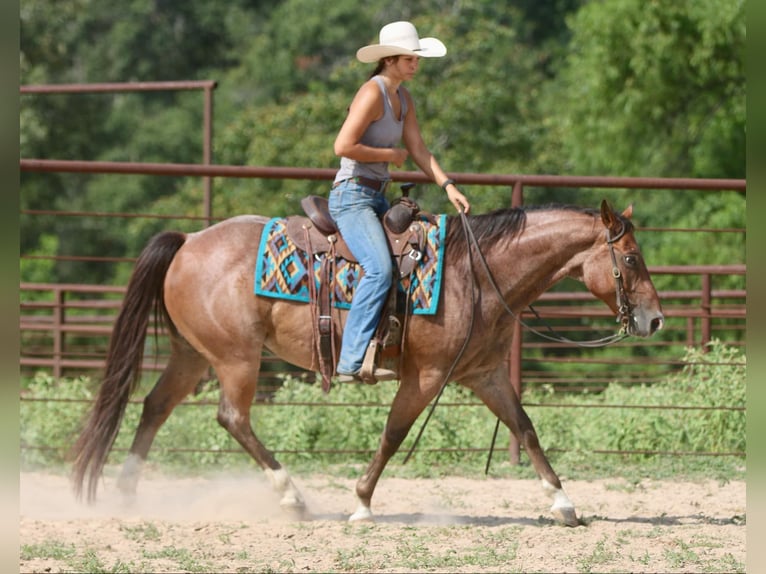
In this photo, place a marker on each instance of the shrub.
(302, 423)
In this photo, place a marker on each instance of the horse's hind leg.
(184, 370)
(238, 384)
(498, 394)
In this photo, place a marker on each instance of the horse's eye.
(631, 260)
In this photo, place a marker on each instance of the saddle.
(317, 235)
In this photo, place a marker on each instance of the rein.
(624, 317)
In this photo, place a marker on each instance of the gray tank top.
(385, 132)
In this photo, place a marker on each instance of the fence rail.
(65, 327)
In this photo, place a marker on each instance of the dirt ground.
(233, 524)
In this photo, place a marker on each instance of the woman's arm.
(425, 159)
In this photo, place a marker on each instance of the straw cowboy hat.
(401, 39)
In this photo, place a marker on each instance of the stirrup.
(379, 374)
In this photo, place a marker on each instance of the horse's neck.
(551, 247)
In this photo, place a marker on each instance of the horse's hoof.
(127, 495)
(362, 514)
(295, 510)
(566, 515)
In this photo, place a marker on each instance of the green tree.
(109, 41)
(477, 107)
(651, 88)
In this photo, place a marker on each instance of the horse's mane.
(503, 224)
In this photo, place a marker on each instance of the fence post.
(514, 448)
(706, 304)
(207, 152)
(58, 331)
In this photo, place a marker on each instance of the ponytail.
(381, 66)
(378, 68)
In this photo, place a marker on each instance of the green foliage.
(39, 270)
(301, 417)
(653, 88)
(354, 418)
(49, 418)
(711, 378)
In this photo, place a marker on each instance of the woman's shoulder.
(372, 87)
(369, 93)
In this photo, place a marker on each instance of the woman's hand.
(457, 198)
(399, 156)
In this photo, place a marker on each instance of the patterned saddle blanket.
(283, 270)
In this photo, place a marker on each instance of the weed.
(726, 564)
(47, 549)
(599, 556)
(90, 562)
(681, 556)
(142, 532)
(181, 556)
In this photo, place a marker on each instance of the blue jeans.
(356, 210)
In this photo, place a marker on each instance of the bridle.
(624, 306)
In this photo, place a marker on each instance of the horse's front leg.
(498, 394)
(407, 405)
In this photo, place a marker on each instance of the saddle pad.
(282, 270)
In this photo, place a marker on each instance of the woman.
(380, 118)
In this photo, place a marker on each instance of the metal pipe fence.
(65, 328)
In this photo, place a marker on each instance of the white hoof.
(565, 515)
(283, 484)
(127, 481)
(291, 500)
(362, 514)
(563, 510)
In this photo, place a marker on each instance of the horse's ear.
(628, 213)
(607, 214)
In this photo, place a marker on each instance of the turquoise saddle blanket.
(283, 270)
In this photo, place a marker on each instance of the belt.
(376, 184)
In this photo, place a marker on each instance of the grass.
(75, 561)
(145, 531)
(48, 549)
(602, 554)
(183, 558)
(435, 548)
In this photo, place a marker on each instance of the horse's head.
(616, 274)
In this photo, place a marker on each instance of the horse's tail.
(124, 359)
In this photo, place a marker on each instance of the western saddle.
(317, 235)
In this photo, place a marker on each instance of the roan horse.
(201, 285)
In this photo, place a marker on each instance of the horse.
(200, 285)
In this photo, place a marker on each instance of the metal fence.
(65, 329)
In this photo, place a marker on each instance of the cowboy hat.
(401, 39)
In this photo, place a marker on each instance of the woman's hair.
(381, 65)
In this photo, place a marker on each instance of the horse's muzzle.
(645, 324)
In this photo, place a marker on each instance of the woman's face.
(404, 67)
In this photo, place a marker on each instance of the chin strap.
(624, 308)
